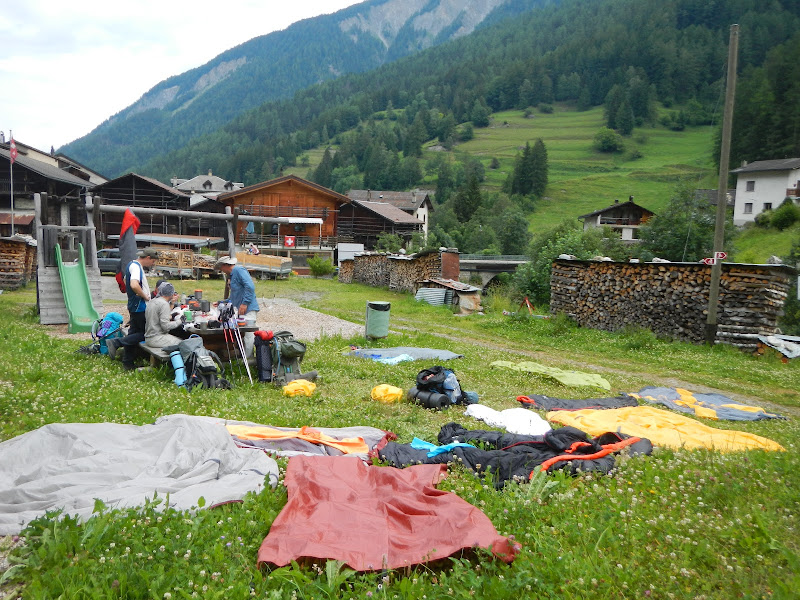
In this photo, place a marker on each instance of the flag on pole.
(127, 245)
(12, 149)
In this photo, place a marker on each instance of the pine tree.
(468, 199)
(539, 168)
(322, 174)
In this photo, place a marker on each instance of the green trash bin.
(377, 319)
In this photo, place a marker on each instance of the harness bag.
(203, 367)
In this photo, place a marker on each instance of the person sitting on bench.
(163, 327)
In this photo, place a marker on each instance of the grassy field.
(678, 524)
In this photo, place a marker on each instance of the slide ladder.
(77, 295)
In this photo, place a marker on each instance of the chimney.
(209, 172)
(616, 200)
(2, 137)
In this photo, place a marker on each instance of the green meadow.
(680, 524)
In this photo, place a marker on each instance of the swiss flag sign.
(288, 241)
(12, 150)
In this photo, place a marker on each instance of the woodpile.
(397, 272)
(17, 263)
(178, 259)
(671, 298)
(204, 261)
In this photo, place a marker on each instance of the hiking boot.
(128, 367)
(112, 345)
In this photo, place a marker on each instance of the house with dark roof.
(416, 203)
(203, 188)
(133, 190)
(37, 172)
(363, 221)
(764, 185)
(626, 218)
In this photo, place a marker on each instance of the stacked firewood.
(182, 259)
(346, 270)
(671, 299)
(204, 261)
(16, 264)
(397, 272)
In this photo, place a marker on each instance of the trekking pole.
(242, 351)
(228, 349)
(232, 347)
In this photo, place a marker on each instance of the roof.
(178, 240)
(781, 164)
(403, 200)
(155, 182)
(44, 169)
(19, 219)
(198, 184)
(224, 197)
(389, 212)
(628, 204)
(452, 284)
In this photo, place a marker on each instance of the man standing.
(242, 296)
(138, 295)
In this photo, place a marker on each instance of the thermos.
(180, 370)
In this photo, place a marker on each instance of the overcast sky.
(65, 67)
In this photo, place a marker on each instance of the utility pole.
(722, 187)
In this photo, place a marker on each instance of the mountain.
(275, 66)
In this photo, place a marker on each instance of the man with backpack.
(138, 292)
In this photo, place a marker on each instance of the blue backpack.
(105, 328)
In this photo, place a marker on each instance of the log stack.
(176, 259)
(671, 299)
(17, 260)
(397, 272)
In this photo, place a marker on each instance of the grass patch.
(678, 524)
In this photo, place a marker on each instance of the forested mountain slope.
(575, 51)
(274, 66)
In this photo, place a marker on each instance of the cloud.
(67, 67)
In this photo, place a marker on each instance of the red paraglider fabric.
(374, 518)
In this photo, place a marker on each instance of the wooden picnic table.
(214, 340)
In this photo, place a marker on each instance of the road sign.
(709, 261)
(720, 255)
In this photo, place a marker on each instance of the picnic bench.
(157, 355)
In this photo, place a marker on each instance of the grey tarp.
(69, 465)
(410, 351)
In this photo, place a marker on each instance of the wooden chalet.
(134, 190)
(310, 213)
(35, 172)
(363, 221)
(623, 217)
(416, 203)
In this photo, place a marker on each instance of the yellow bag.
(386, 393)
(299, 387)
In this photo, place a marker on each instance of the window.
(748, 208)
(767, 205)
(751, 186)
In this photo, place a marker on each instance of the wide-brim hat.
(225, 260)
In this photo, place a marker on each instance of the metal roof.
(19, 218)
(781, 164)
(176, 240)
(45, 170)
(389, 212)
(224, 197)
(403, 200)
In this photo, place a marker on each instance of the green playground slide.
(77, 296)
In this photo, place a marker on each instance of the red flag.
(288, 241)
(12, 149)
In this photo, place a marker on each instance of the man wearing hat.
(162, 327)
(242, 296)
(138, 295)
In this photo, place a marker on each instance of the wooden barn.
(133, 191)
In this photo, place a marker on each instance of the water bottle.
(451, 387)
(180, 370)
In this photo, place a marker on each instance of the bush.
(320, 267)
(608, 140)
(545, 108)
(786, 215)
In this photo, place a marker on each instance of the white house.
(764, 185)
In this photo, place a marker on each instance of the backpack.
(438, 387)
(286, 353)
(203, 366)
(104, 328)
